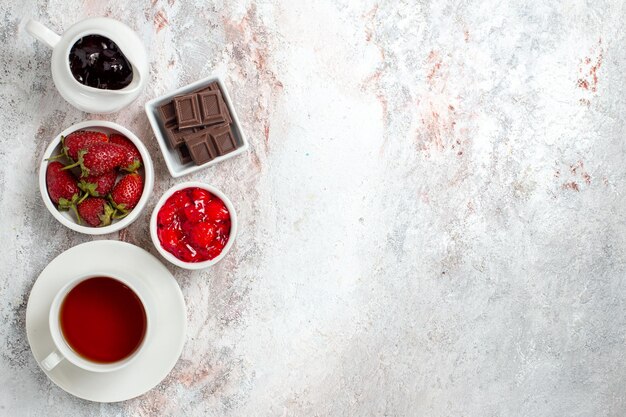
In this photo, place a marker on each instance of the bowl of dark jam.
(99, 65)
(97, 62)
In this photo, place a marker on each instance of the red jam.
(193, 225)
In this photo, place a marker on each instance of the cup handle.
(52, 360)
(42, 33)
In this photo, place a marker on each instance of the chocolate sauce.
(96, 61)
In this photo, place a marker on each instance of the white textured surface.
(432, 211)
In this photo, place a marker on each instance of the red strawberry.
(98, 186)
(222, 233)
(187, 253)
(82, 139)
(202, 234)
(167, 215)
(180, 199)
(201, 194)
(96, 211)
(194, 212)
(216, 210)
(126, 193)
(62, 187)
(132, 160)
(99, 158)
(170, 238)
(211, 252)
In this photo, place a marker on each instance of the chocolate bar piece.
(200, 147)
(187, 111)
(211, 111)
(224, 140)
(214, 86)
(176, 136)
(225, 110)
(183, 154)
(168, 113)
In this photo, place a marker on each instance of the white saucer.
(168, 335)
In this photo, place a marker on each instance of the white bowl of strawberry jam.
(193, 225)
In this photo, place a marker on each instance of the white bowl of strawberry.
(193, 225)
(96, 177)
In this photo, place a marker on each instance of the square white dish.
(174, 165)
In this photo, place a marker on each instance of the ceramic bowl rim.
(147, 187)
(233, 225)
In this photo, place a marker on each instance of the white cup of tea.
(99, 322)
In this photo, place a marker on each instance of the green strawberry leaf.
(55, 157)
(133, 167)
(89, 187)
(118, 207)
(81, 199)
(105, 218)
(85, 171)
(121, 215)
(64, 204)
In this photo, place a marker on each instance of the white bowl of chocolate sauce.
(99, 65)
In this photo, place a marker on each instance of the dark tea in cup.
(103, 320)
